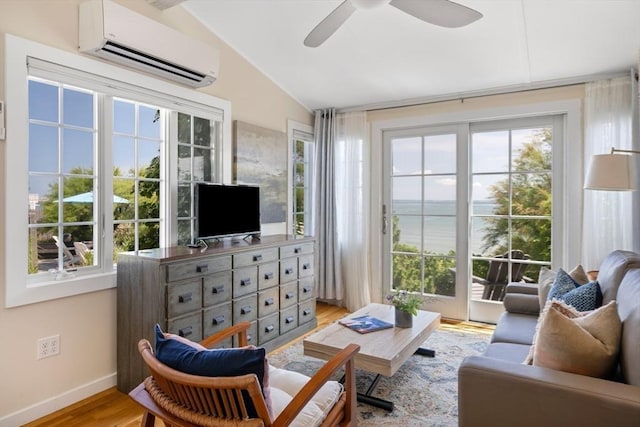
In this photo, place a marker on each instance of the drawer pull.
(257, 258)
(289, 319)
(245, 310)
(297, 250)
(185, 332)
(306, 312)
(306, 266)
(269, 301)
(245, 282)
(217, 289)
(268, 276)
(249, 338)
(288, 270)
(269, 328)
(289, 295)
(185, 298)
(306, 289)
(217, 320)
(202, 268)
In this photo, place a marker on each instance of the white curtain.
(608, 215)
(352, 203)
(341, 214)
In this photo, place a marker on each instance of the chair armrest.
(344, 358)
(522, 303)
(239, 329)
(522, 288)
(532, 396)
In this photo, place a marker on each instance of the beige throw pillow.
(585, 343)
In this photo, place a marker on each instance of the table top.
(381, 352)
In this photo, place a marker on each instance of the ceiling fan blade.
(443, 13)
(329, 25)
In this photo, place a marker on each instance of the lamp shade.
(612, 172)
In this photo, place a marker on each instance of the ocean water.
(439, 224)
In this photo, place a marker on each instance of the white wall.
(87, 323)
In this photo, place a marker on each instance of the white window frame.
(17, 52)
(293, 128)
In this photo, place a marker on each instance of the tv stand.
(197, 292)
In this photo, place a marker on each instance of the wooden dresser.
(196, 292)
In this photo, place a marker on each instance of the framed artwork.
(260, 158)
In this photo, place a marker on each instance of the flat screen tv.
(227, 210)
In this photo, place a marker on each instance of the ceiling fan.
(443, 13)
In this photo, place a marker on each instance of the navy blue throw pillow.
(584, 298)
(563, 284)
(211, 363)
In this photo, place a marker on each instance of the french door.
(460, 198)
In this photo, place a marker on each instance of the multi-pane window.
(62, 177)
(511, 197)
(196, 162)
(303, 151)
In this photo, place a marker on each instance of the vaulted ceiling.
(384, 56)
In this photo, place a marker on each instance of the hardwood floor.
(112, 408)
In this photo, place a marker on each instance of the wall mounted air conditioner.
(118, 34)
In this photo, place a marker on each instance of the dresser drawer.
(305, 266)
(245, 281)
(186, 270)
(295, 250)
(288, 295)
(268, 328)
(306, 288)
(288, 270)
(184, 297)
(245, 309)
(268, 302)
(268, 275)
(216, 289)
(188, 326)
(255, 257)
(252, 335)
(306, 311)
(216, 318)
(288, 319)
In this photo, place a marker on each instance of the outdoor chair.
(181, 399)
(498, 275)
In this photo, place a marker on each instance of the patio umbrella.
(88, 198)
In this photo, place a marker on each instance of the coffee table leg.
(372, 400)
(425, 352)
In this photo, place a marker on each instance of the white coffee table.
(381, 352)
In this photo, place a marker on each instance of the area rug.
(424, 390)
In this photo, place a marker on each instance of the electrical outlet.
(48, 346)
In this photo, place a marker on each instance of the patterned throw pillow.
(562, 284)
(583, 297)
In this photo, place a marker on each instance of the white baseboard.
(60, 401)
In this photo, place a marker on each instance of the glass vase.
(403, 319)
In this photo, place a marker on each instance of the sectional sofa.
(500, 389)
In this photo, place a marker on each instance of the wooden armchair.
(181, 399)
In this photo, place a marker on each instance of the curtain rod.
(548, 84)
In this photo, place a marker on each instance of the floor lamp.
(612, 172)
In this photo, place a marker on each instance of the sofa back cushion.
(612, 270)
(629, 311)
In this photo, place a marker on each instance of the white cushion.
(286, 384)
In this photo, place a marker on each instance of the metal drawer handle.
(306, 266)
(249, 338)
(257, 258)
(297, 250)
(185, 297)
(185, 332)
(269, 328)
(202, 268)
(306, 312)
(288, 270)
(306, 289)
(269, 301)
(289, 295)
(217, 289)
(268, 276)
(245, 282)
(289, 319)
(217, 320)
(245, 310)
